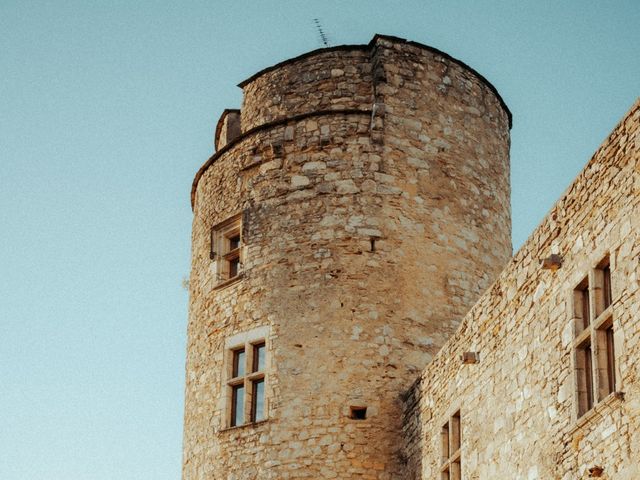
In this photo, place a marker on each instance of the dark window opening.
(606, 285)
(582, 306)
(586, 317)
(589, 376)
(234, 267)
(226, 249)
(234, 242)
(611, 365)
(358, 413)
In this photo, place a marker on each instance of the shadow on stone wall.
(411, 454)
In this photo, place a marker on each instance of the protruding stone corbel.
(469, 358)
(553, 262)
(596, 472)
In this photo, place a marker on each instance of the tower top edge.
(371, 45)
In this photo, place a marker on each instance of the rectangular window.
(234, 267)
(238, 363)
(226, 249)
(234, 242)
(257, 401)
(444, 440)
(585, 377)
(594, 339)
(606, 280)
(237, 405)
(582, 306)
(246, 383)
(605, 358)
(611, 365)
(258, 357)
(451, 440)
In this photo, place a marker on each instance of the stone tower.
(355, 209)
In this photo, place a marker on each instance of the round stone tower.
(356, 207)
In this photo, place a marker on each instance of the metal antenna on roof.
(323, 37)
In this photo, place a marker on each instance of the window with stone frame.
(246, 383)
(451, 443)
(593, 344)
(226, 249)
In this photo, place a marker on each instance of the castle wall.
(328, 80)
(518, 404)
(368, 231)
(446, 144)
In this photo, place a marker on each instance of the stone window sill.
(597, 410)
(230, 281)
(244, 426)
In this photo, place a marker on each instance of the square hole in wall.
(358, 413)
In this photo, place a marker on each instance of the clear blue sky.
(107, 109)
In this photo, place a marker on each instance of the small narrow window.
(231, 265)
(611, 365)
(606, 284)
(226, 249)
(238, 363)
(234, 242)
(257, 401)
(258, 357)
(455, 433)
(234, 267)
(582, 306)
(585, 304)
(602, 287)
(605, 359)
(589, 376)
(444, 440)
(451, 441)
(584, 373)
(358, 413)
(586, 316)
(237, 405)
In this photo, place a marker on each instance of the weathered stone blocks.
(519, 402)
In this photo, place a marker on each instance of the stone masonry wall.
(447, 137)
(518, 404)
(327, 80)
(368, 234)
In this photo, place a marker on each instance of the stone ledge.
(266, 126)
(230, 281)
(596, 411)
(244, 426)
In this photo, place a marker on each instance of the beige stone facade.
(519, 404)
(355, 210)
